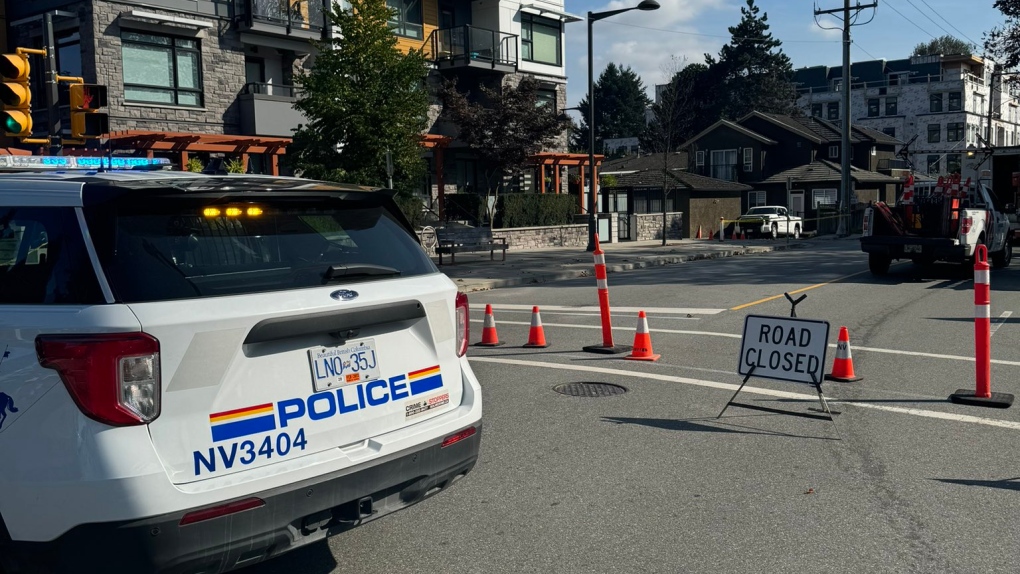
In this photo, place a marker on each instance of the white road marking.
(732, 336)
(546, 312)
(1002, 319)
(1013, 425)
(649, 310)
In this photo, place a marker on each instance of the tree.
(362, 97)
(504, 129)
(1003, 42)
(673, 115)
(756, 74)
(945, 45)
(620, 104)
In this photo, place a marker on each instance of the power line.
(615, 23)
(861, 48)
(948, 33)
(971, 40)
(911, 21)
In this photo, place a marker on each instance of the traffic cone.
(743, 236)
(642, 342)
(489, 336)
(843, 366)
(699, 233)
(536, 336)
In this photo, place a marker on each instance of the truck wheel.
(796, 232)
(1002, 258)
(775, 231)
(879, 264)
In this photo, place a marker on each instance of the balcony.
(467, 47)
(300, 19)
(268, 110)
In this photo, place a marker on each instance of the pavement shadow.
(690, 425)
(314, 558)
(1006, 484)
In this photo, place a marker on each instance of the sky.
(653, 42)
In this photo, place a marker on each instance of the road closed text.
(787, 349)
(789, 337)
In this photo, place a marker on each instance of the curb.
(469, 286)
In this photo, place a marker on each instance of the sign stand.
(793, 304)
(821, 399)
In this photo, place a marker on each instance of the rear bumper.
(932, 249)
(293, 516)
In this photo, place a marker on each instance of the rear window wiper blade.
(337, 272)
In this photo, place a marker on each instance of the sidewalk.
(475, 272)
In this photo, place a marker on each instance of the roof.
(824, 131)
(821, 170)
(685, 179)
(733, 126)
(788, 123)
(633, 163)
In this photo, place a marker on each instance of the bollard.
(982, 395)
(722, 229)
(607, 347)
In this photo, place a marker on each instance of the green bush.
(532, 210)
(412, 208)
(465, 206)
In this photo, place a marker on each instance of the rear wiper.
(336, 272)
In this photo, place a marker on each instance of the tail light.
(222, 510)
(112, 377)
(463, 324)
(459, 436)
(968, 222)
(866, 231)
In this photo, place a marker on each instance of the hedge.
(532, 210)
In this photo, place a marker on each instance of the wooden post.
(148, 154)
(541, 176)
(556, 178)
(244, 162)
(274, 164)
(184, 161)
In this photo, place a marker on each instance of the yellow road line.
(801, 290)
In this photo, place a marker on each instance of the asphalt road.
(652, 481)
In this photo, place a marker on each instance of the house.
(945, 101)
(635, 192)
(783, 159)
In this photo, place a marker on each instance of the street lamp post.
(592, 190)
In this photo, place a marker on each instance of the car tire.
(796, 232)
(775, 231)
(879, 264)
(1001, 259)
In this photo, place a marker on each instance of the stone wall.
(647, 226)
(520, 238)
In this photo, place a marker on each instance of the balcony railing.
(292, 14)
(268, 109)
(467, 46)
(726, 171)
(901, 81)
(269, 89)
(888, 164)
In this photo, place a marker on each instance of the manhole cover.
(589, 389)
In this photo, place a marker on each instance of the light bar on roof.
(62, 162)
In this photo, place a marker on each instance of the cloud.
(647, 42)
(833, 28)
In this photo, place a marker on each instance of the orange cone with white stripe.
(843, 366)
(489, 336)
(699, 233)
(642, 342)
(536, 336)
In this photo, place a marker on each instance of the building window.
(954, 131)
(953, 163)
(407, 21)
(748, 159)
(934, 133)
(955, 101)
(935, 103)
(756, 199)
(891, 132)
(724, 164)
(833, 151)
(540, 39)
(833, 110)
(546, 98)
(821, 197)
(699, 158)
(161, 69)
(816, 110)
(933, 164)
(873, 108)
(890, 106)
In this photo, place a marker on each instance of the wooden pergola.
(437, 144)
(556, 160)
(147, 142)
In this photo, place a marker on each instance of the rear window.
(43, 259)
(164, 247)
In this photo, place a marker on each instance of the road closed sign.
(784, 348)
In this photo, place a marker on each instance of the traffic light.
(86, 121)
(16, 95)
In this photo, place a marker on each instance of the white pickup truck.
(771, 221)
(943, 221)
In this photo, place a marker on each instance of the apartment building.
(946, 102)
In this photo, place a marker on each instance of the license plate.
(351, 363)
(911, 248)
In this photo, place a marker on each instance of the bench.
(453, 240)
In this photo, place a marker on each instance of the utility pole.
(52, 86)
(844, 192)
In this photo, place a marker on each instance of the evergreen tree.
(756, 74)
(362, 97)
(1003, 42)
(945, 45)
(620, 104)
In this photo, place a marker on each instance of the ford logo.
(344, 295)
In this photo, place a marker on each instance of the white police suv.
(202, 372)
